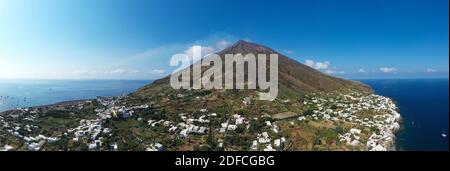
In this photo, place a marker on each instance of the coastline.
(389, 123)
(423, 104)
(68, 102)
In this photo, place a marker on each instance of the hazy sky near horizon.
(119, 39)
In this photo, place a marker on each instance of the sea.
(423, 103)
(25, 93)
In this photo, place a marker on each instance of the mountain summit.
(294, 78)
(243, 46)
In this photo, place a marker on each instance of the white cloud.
(323, 66)
(317, 65)
(135, 71)
(148, 57)
(310, 63)
(154, 57)
(431, 70)
(362, 70)
(223, 44)
(118, 71)
(329, 71)
(83, 72)
(104, 64)
(205, 51)
(102, 72)
(388, 69)
(156, 71)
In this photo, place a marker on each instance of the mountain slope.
(293, 76)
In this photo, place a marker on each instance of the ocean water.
(25, 93)
(423, 104)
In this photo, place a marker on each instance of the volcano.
(294, 77)
(312, 111)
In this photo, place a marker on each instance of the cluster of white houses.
(193, 125)
(94, 129)
(348, 108)
(265, 141)
(155, 147)
(6, 148)
(189, 124)
(233, 123)
(24, 132)
(384, 117)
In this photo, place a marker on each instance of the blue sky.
(119, 39)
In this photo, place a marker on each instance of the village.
(385, 118)
(374, 131)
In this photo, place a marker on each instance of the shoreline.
(384, 140)
(68, 102)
